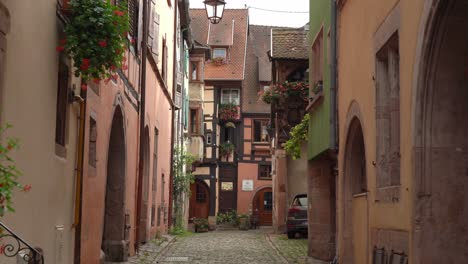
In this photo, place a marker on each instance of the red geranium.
(103, 43)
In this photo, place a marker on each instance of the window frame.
(260, 165)
(254, 141)
(218, 49)
(63, 91)
(230, 99)
(197, 121)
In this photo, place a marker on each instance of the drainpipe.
(333, 104)
(333, 81)
(79, 177)
(174, 84)
(141, 161)
(334, 77)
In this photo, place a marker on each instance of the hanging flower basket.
(226, 149)
(96, 38)
(229, 112)
(286, 90)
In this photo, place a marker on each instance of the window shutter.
(151, 36)
(133, 17)
(155, 45)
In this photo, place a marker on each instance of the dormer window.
(219, 53)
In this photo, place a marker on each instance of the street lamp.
(214, 10)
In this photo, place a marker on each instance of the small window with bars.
(264, 172)
(201, 193)
(133, 21)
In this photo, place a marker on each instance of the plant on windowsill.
(9, 174)
(226, 149)
(96, 39)
(229, 112)
(218, 61)
(281, 92)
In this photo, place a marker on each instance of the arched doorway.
(440, 230)
(114, 242)
(355, 222)
(199, 200)
(262, 206)
(143, 223)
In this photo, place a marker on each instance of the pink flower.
(60, 48)
(84, 87)
(96, 80)
(27, 188)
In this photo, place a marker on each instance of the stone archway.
(440, 224)
(354, 197)
(114, 242)
(145, 201)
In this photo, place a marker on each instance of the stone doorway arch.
(440, 208)
(114, 241)
(354, 229)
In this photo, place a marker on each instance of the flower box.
(229, 112)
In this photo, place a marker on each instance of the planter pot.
(244, 223)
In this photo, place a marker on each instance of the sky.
(261, 17)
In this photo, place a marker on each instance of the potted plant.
(226, 149)
(96, 38)
(285, 91)
(244, 222)
(201, 225)
(218, 61)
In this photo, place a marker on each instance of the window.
(62, 101)
(92, 158)
(317, 58)
(219, 53)
(230, 96)
(264, 171)
(195, 71)
(164, 60)
(268, 201)
(201, 193)
(260, 131)
(388, 113)
(133, 17)
(153, 31)
(194, 122)
(208, 139)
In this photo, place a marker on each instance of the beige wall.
(296, 175)
(29, 95)
(358, 41)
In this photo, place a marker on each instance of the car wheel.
(291, 235)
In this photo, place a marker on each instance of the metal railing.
(11, 245)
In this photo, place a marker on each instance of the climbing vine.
(182, 180)
(298, 135)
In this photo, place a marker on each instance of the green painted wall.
(319, 125)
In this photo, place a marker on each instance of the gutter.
(334, 77)
(174, 84)
(144, 53)
(79, 177)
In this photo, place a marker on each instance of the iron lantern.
(214, 10)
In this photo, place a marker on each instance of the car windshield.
(300, 201)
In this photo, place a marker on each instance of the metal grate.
(177, 259)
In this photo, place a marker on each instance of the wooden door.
(227, 188)
(199, 200)
(263, 206)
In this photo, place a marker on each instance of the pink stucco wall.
(248, 171)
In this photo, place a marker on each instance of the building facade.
(34, 85)
(400, 186)
(322, 140)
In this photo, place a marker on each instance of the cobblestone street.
(254, 246)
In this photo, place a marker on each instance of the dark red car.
(297, 216)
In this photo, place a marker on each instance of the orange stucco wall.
(358, 23)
